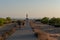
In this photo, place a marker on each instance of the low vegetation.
(51, 21)
(5, 20)
(45, 20)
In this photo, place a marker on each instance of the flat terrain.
(24, 33)
(48, 31)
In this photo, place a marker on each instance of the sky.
(34, 8)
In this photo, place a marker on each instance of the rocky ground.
(45, 32)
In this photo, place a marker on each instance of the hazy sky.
(34, 8)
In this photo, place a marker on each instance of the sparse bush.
(1, 21)
(45, 20)
(52, 21)
(5, 20)
(8, 19)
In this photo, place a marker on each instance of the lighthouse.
(26, 16)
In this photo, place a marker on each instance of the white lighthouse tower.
(27, 16)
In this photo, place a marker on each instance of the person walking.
(19, 23)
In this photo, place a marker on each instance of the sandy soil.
(43, 35)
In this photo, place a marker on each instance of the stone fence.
(7, 30)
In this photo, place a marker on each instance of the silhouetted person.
(19, 23)
(23, 23)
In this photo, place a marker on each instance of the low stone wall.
(41, 35)
(7, 30)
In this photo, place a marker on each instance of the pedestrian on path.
(23, 23)
(19, 23)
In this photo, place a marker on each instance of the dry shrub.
(43, 36)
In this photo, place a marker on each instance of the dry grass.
(43, 35)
